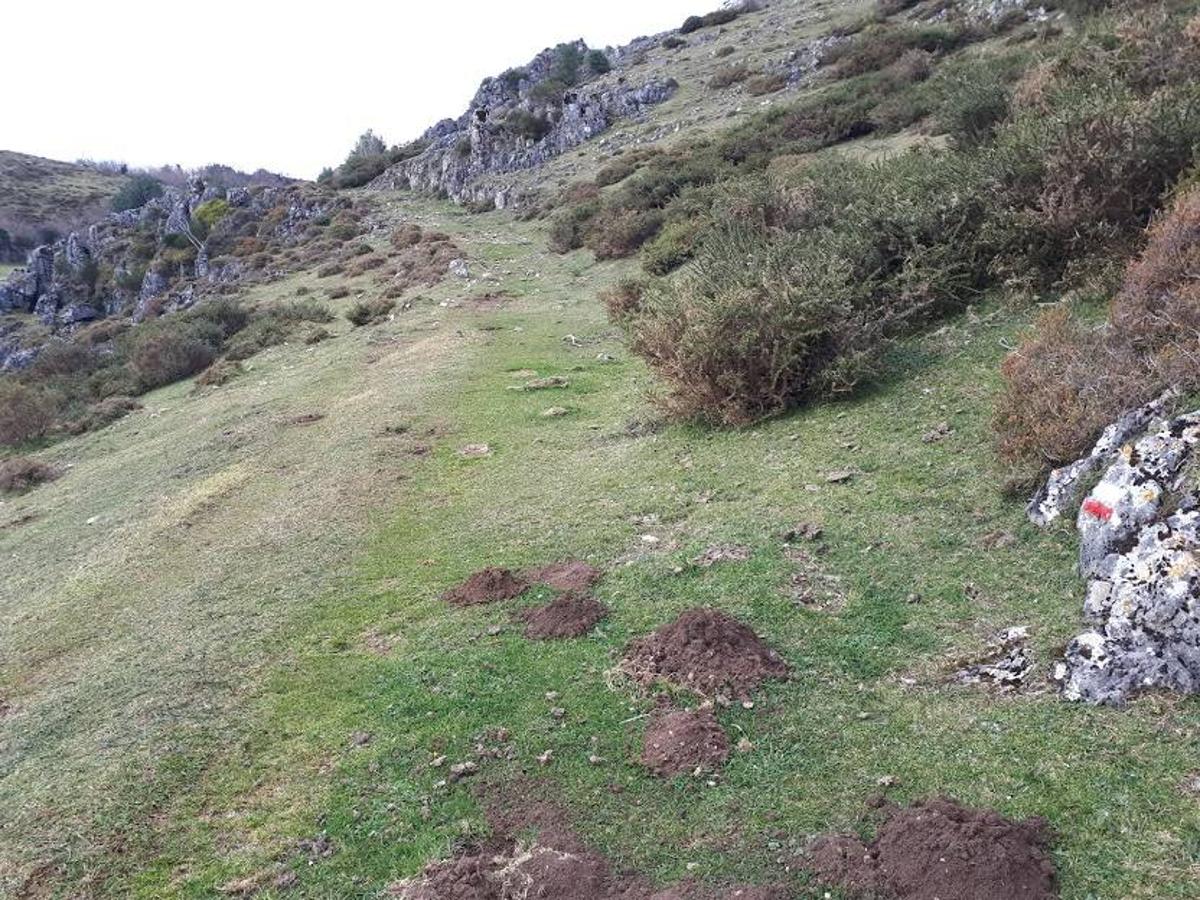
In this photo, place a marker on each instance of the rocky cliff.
(161, 257)
(523, 118)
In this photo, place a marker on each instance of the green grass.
(5, 268)
(187, 701)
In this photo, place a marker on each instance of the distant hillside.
(43, 198)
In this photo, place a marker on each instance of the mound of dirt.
(680, 741)
(487, 586)
(468, 877)
(567, 616)
(567, 575)
(557, 865)
(939, 849)
(705, 650)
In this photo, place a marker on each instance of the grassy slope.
(188, 677)
(36, 192)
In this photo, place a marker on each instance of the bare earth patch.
(567, 575)
(487, 586)
(939, 849)
(683, 741)
(568, 616)
(707, 651)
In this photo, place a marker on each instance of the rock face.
(1140, 551)
(150, 260)
(519, 121)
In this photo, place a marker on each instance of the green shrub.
(673, 43)
(673, 246)
(26, 412)
(161, 355)
(220, 372)
(526, 124)
(569, 226)
(369, 312)
(597, 62)
(729, 75)
(209, 213)
(623, 300)
(136, 192)
(765, 84)
(567, 60)
(717, 17)
(616, 233)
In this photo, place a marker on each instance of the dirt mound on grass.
(467, 877)
(695, 892)
(567, 616)
(939, 849)
(487, 586)
(567, 575)
(705, 650)
(680, 741)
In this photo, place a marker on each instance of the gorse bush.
(1068, 380)
(717, 17)
(26, 412)
(802, 280)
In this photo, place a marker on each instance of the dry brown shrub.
(623, 299)
(1066, 381)
(20, 473)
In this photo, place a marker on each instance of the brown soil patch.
(705, 650)
(488, 301)
(568, 616)
(487, 586)
(304, 419)
(567, 575)
(939, 849)
(556, 865)
(680, 741)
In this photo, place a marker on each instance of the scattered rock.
(474, 451)
(459, 268)
(941, 850)
(487, 586)
(803, 531)
(837, 476)
(1006, 664)
(554, 412)
(939, 432)
(721, 553)
(541, 384)
(462, 770)
(568, 616)
(706, 651)
(680, 741)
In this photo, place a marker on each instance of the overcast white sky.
(285, 86)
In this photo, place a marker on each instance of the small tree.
(137, 191)
(598, 62)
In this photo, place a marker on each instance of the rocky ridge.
(520, 120)
(154, 259)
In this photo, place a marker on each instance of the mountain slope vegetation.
(727, 373)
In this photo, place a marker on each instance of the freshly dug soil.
(694, 892)
(939, 849)
(567, 616)
(705, 650)
(467, 877)
(556, 866)
(679, 741)
(487, 586)
(567, 575)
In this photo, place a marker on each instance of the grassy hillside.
(38, 194)
(243, 596)
(227, 667)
